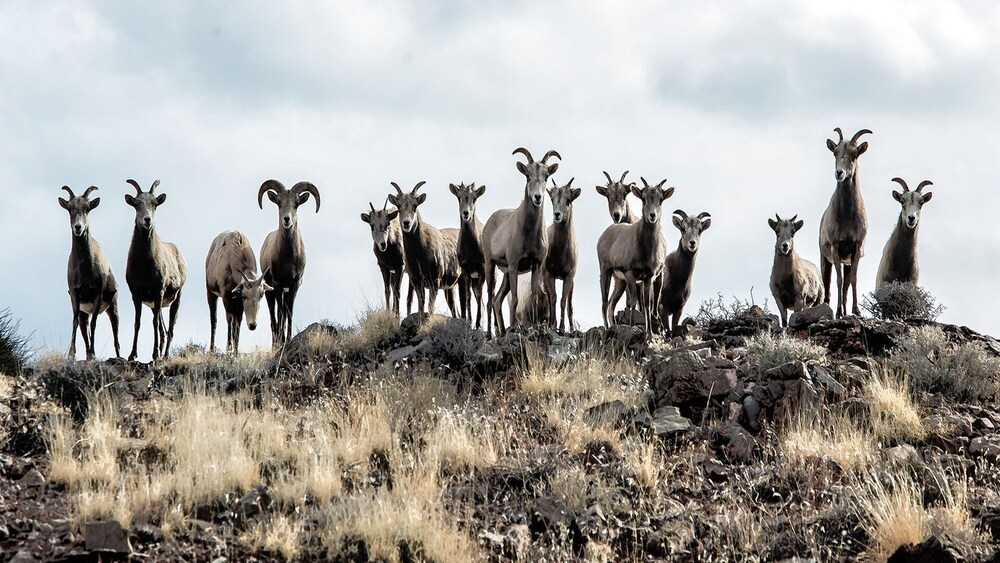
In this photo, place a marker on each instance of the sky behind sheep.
(732, 103)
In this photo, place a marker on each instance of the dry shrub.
(902, 300)
(962, 372)
(373, 327)
(461, 441)
(893, 411)
(278, 534)
(829, 435)
(765, 351)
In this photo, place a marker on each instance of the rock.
(22, 556)
(821, 376)
(741, 446)
(668, 422)
(810, 316)
(106, 536)
(4, 533)
(550, 520)
(718, 382)
(612, 413)
(984, 425)
(930, 550)
(256, 501)
(32, 478)
(673, 538)
(985, 446)
(517, 542)
(792, 370)
(147, 533)
(751, 407)
(903, 456)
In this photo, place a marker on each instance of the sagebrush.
(899, 301)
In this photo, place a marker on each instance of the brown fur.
(231, 275)
(678, 270)
(795, 281)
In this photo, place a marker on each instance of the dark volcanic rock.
(810, 316)
(106, 536)
(930, 550)
(668, 422)
(551, 521)
(612, 413)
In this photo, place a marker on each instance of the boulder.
(810, 316)
(986, 446)
(612, 413)
(668, 422)
(551, 521)
(106, 536)
(930, 550)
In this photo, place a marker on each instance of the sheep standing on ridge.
(678, 269)
(636, 252)
(844, 226)
(899, 259)
(620, 211)
(231, 275)
(387, 243)
(561, 258)
(155, 271)
(470, 249)
(430, 254)
(283, 254)
(515, 240)
(92, 286)
(795, 281)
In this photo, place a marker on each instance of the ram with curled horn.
(844, 226)
(155, 272)
(283, 254)
(899, 257)
(429, 254)
(516, 241)
(92, 286)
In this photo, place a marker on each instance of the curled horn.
(706, 214)
(417, 187)
(858, 135)
(69, 191)
(551, 153)
(608, 176)
(901, 182)
(839, 133)
(153, 187)
(87, 192)
(399, 190)
(268, 186)
(622, 181)
(525, 152)
(138, 190)
(307, 187)
(924, 183)
(680, 213)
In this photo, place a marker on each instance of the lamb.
(231, 274)
(387, 243)
(636, 252)
(283, 254)
(515, 240)
(899, 259)
(430, 254)
(795, 281)
(155, 272)
(678, 269)
(92, 286)
(844, 226)
(470, 249)
(561, 258)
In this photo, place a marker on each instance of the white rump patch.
(87, 308)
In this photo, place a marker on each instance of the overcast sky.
(731, 102)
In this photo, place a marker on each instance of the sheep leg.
(287, 310)
(410, 289)
(512, 287)
(550, 299)
(784, 314)
(449, 299)
(464, 299)
(135, 333)
(615, 296)
(213, 301)
(397, 280)
(675, 324)
(632, 286)
(498, 303)
(92, 352)
(229, 330)
(174, 307)
(567, 301)
(157, 326)
(84, 325)
(386, 283)
(76, 324)
(605, 279)
(853, 281)
(491, 280)
(271, 311)
(113, 317)
(477, 289)
(827, 268)
(237, 321)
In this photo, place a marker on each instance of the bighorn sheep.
(430, 254)
(155, 271)
(561, 259)
(679, 268)
(636, 252)
(844, 225)
(515, 240)
(283, 254)
(92, 286)
(231, 274)
(618, 207)
(795, 281)
(387, 244)
(899, 259)
(470, 249)
(532, 308)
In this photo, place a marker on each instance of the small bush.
(766, 351)
(961, 372)
(14, 346)
(898, 300)
(717, 309)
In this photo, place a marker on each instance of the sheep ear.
(522, 168)
(553, 168)
(160, 199)
(798, 225)
(679, 223)
(392, 199)
(65, 204)
(773, 224)
(897, 196)
(575, 193)
(366, 218)
(266, 287)
(480, 191)
(927, 196)
(453, 188)
(94, 203)
(636, 191)
(236, 290)
(831, 145)
(130, 200)
(393, 214)
(706, 223)
(421, 198)
(273, 197)
(862, 148)
(603, 190)
(667, 192)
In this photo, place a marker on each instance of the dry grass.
(894, 413)
(278, 534)
(892, 513)
(829, 436)
(766, 351)
(961, 372)
(462, 441)
(373, 326)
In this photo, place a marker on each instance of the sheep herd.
(531, 257)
